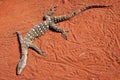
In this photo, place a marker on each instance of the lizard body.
(40, 29)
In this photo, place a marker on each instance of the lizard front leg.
(33, 46)
(19, 37)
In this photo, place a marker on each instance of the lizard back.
(37, 31)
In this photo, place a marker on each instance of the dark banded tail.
(66, 17)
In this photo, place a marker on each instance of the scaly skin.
(40, 29)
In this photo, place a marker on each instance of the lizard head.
(21, 64)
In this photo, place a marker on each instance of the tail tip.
(107, 6)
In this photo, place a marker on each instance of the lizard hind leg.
(48, 14)
(60, 30)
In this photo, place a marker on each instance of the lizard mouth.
(19, 70)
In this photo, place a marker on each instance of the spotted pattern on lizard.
(40, 29)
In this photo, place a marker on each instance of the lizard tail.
(66, 17)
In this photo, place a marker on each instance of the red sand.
(92, 51)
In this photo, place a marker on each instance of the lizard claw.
(66, 31)
(43, 53)
(16, 32)
(64, 35)
(53, 8)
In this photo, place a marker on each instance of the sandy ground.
(92, 51)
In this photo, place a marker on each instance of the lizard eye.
(44, 18)
(55, 19)
(74, 13)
